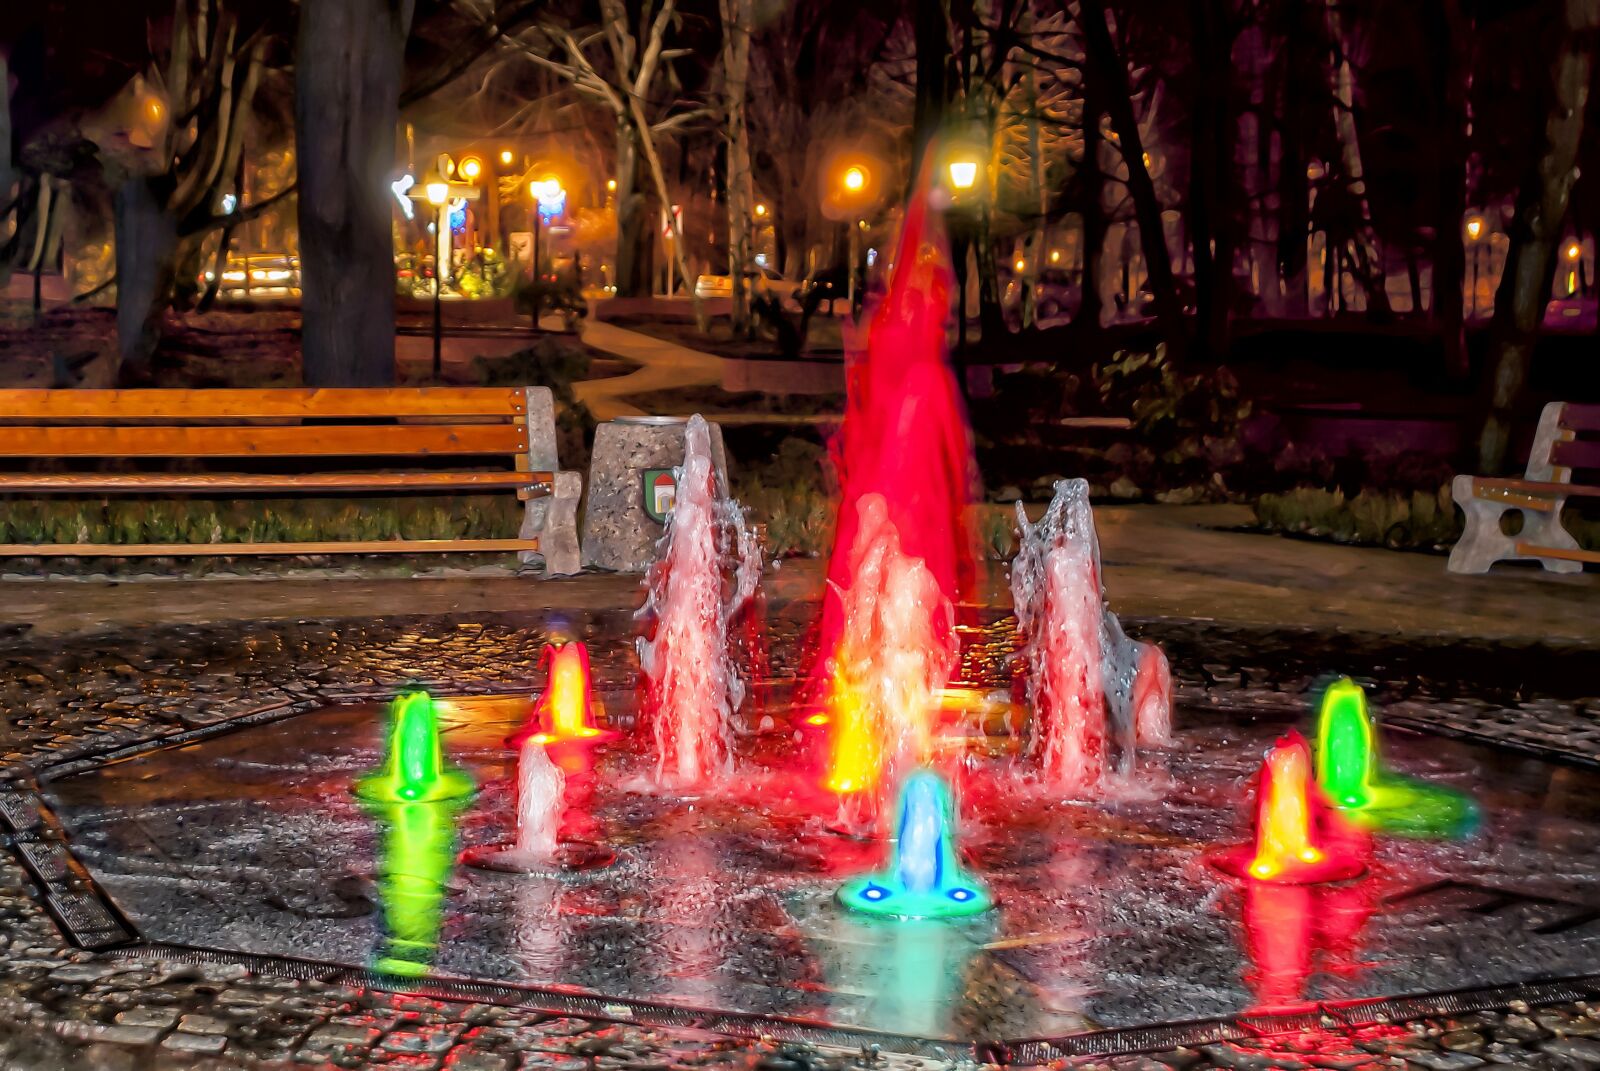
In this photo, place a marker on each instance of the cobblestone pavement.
(87, 695)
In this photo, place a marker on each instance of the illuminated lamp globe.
(963, 174)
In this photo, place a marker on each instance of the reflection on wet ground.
(1108, 914)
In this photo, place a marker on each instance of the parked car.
(263, 275)
(761, 280)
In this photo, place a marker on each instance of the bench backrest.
(420, 421)
(1568, 438)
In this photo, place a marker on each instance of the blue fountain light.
(924, 880)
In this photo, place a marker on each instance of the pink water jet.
(706, 568)
(540, 803)
(894, 657)
(1095, 693)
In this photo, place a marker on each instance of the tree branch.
(242, 215)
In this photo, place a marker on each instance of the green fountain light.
(924, 881)
(1351, 775)
(414, 770)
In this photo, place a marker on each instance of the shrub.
(1414, 520)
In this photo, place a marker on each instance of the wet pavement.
(77, 694)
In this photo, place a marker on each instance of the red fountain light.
(903, 550)
(905, 434)
(563, 712)
(1298, 838)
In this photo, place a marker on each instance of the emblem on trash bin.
(660, 491)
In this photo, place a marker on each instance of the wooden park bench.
(1564, 442)
(296, 442)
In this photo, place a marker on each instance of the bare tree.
(1536, 231)
(169, 199)
(621, 79)
(1369, 261)
(737, 16)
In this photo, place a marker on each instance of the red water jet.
(1299, 839)
(563, 712)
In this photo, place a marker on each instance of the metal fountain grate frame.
(90, 920)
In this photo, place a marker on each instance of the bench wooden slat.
(1503, 489)
(1576, 454)
(186, 550)
(1533, 550)
(409, 440)
(25, 404)
(1580, 417)
(534, 483)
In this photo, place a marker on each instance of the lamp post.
(1474, 232)
(854, 180)
(438, 192)
(547, 194)
(962, 169)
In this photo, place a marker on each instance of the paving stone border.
(85, 697)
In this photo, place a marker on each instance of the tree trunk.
(1520, 302)
(634, 236)
(991, 320)
(1446, 307)
(347, 93)
(932, 33)
(1090, 307)
(1342, 84)
(8, 176)
(146, 252)
(736, 22)
(1107, 65)
(1294, 210)
(1209, 178)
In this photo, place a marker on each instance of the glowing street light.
(963, 174)
(548, 197)
(506, 157)
(471, 168)
(1055, 256)
(611, 184)
(855, 179)
(1574, 251)
(1021, 264)
(438, 192)
(1474, 228)
(761, 209)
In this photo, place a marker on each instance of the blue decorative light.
(924, 879)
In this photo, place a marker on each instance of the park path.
(662, 365)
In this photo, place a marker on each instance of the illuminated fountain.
(707, 565)
(414, 769)
(924, 879)
(1299, 841)
(540, 803)
(563, 712)
(1350, 774)
(1095, 693)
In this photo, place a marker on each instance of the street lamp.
(548, 195)
(963, 174)
(761, 210)
(438, 193)
(471, 168)
(855, 179)
(1474, 232)
(506, 157)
